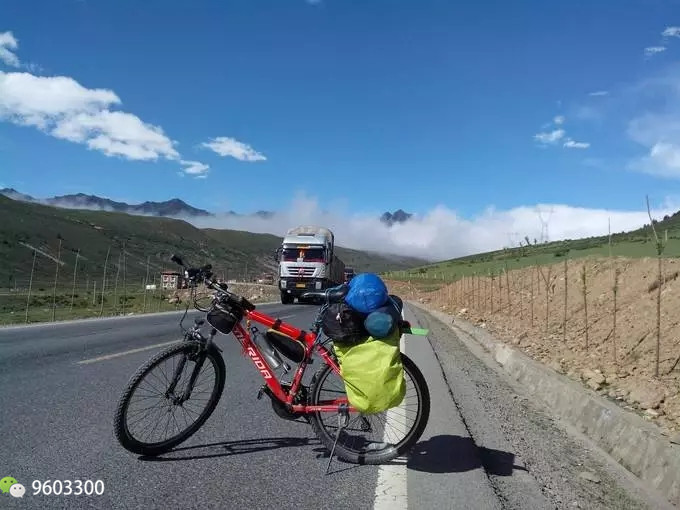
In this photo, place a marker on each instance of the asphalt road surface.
(485, 446)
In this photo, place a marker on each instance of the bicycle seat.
(334, 294)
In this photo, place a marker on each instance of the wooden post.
(56, 276)
(507, 288)
(585, 301)
(521, 296)
(564, 322)
(146, 281)
(106, 261)
(30, 286)
(532, 295)
(73, 291)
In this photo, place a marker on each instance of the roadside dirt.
(255, 292)
(618, 363)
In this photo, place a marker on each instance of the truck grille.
(295, 271)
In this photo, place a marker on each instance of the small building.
(172, 280)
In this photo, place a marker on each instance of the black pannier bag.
(343, 324)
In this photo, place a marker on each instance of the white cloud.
(551, 137)
(441, 233)
(658, 129)
(571, 144)
(195, 168)
(653, 50)
(225, 146)
(63, 108)
(38, 101)
(599, 93)
(116, 134)
(558, 134)
(8, 43)
(663, 160)
(671, 32)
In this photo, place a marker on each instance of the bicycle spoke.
(152, 416)
(370, 434)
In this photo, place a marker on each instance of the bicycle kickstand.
(343, 419)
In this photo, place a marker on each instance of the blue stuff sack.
(367, 293)
(382, 322)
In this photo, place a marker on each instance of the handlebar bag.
(373, 372)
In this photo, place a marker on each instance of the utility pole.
(101, 310)
(146, 281)
(124, 280)
(30, 285)
(73, 292)
(56, 276)
(115, 288)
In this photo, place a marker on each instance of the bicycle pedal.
(260, 393)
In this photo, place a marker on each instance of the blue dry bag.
(367, 293)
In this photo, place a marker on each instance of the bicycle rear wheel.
(371, 438)
(151, 394)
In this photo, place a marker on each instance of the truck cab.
(307, 262)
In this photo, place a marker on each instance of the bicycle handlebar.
(197, 275)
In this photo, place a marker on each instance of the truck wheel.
(286, 298)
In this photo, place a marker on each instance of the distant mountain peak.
(172, 207)
(398, 216)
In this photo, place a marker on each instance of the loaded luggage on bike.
(366, 334)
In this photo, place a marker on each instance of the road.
(485, 446)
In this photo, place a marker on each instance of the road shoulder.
(569, 470)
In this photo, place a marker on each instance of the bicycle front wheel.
(153, 414)
(371, 438)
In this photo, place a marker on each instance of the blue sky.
(363, 106)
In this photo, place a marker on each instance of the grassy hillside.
(27, 225)
(634, 244)
(266, 244)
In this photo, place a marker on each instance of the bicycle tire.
(413, 435)
(152, 449)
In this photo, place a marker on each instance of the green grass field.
(630, 245)
(41, 309)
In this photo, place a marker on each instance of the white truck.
(307, 261)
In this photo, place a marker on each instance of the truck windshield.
(307, 254)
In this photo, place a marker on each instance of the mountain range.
(95, 242)
(173, 208)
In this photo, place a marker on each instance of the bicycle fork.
(199, 357)
(190, 385)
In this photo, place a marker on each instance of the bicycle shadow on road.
(455, 454)
(227, 448)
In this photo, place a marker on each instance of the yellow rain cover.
(373, 373)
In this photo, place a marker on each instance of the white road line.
(124, 353)
(391, 490)
(96, 320)
(132, 351)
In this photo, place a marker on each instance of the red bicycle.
(187, 396)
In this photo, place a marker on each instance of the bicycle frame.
(311, 344)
